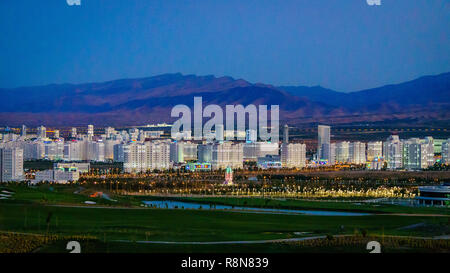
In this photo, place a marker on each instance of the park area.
(45, 218)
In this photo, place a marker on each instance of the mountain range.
(149, 100)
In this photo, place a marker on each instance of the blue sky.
(345, 45)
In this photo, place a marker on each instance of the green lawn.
(194, 225)
(45, 210)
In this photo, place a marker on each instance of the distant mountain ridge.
(150, 99)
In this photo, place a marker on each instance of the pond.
(170, 204)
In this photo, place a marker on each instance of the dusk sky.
(344, 45)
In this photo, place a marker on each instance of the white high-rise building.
(227, 154)
(96, 151)
(158, 155)
(446, 152)
(342, 152)
(90, 132)
(33, 150)
(11, 164)
(24, 131)
(418, 154)
(73, 151)
(118, 152)
(374, 150)
(253, 150)
(41, 132)
(182, 151)
(109, 148)
(134, 158)
(142, 157)
(429, 142)
(54, 150)
(109, 132)
(357, 152)
(73, 132)
(392, 152)
(293, 155)
(323, 143)
(286, 134)
(57, 175)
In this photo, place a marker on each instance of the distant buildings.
(357, 152)
(142, 150)
(374, 150)
(81, 167)
(286, 134)
(269, 162)
(57, 175)
(254, 150)
(323, 143)
(11, 164)
(342, 150)
(446, 151)
(293, 155)
(227, 154)
(183, 151)
(41, 132)
(142, 157)
(393, 152)
(418, 154)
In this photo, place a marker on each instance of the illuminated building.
(418, 154)
(392, 152)
(293, 155)
(446, 152)
(269, 162)
(342, 152)
(357, 152)
(254, 150)
(81, 167)
(434, 195)
(59, 175)
(204, 153)
(73, 132)
(323, 143)
(181, 151)
(41, 132)
(11, 164)
(148, 156)
(286, 134)
(374, 150)
(24, 131)
(90, 132)
(227, 154)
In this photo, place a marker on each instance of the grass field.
(58, 211)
